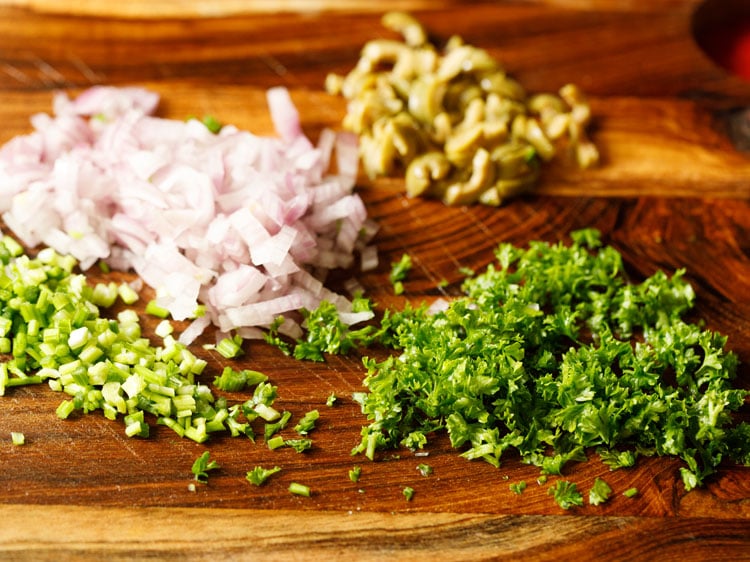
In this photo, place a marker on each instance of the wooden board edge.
(54, 532)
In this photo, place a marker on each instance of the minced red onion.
(246, 225)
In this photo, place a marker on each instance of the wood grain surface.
(672, 192)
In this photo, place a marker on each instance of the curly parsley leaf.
(272, 336)
(202, 465)
(599, 492)
(566, 494)
(259, 475)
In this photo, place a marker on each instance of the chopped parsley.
(518, 487)
(566, 494)
(617, 459)
(408, 492)
(599, 492)
(552, 351)
(202, 465)
(326, 333)
(424, 469)
(354, 473)
(259, 475)
(399, 271)
(273, 337)
(212, 123)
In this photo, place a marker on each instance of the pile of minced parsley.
(551, 352)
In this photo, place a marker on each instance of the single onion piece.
(194, 329)
(438, 305)
(283, 113)
(246, 225)
(369, 258)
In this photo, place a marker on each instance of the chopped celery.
(299, 445)
(299, 489)
(155, 309)
(307, 423)
(276, 442)
(230, 347)
(127, 294)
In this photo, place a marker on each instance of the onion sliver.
(247, 226)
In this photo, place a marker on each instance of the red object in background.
(729, 46)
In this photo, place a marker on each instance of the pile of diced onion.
(243, 228)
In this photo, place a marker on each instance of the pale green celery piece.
(104, 294)
(229, 347)
(172, 424)
(91, 354)
(164, 328)
(97, 373)
(299, 489)
(111, 392)
(268, 413)
(78, 338)
(3, 378)
(275, 442)
(154, 309)
(198, 432)
(65, 408)
(14, 248)
(307, 423)
(299, 445)
(127, 294)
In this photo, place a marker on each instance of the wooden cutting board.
(672, 192)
